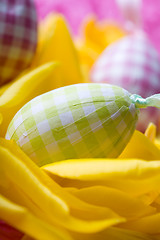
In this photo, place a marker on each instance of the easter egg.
(134, 64)
(76, 121)
(18, 37)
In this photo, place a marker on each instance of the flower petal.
(104, 169)
(141, 147)
(151, 132)
(56, 45)
(114, 233)
(23, 90)
(25, 221)
(149, 224)
(133, 176)
(126, 206)
(44, 197)
(101, 33)
(96, 37)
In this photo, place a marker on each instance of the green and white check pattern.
(77, 121)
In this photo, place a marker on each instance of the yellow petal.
(151, 132)
(149, 197)
(149, 224)
(157, 142)
(88, 53)
(38, 191)
(114, 234)
(104, 169)
(23, 90)
(55, 203)
(56, 45)
(140, 147)
(23, 220)
(1, 118)
(101, 33)
(3, 88)
(119, 202)
(96, 37)
(136, 177)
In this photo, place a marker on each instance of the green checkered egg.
(77, 121)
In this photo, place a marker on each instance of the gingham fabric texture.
(18, 37)
(77, 121)
(134, 64)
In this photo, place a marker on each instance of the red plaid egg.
(18, 37)
(134, 64)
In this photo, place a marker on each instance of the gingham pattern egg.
(18, 37)
(77, 121)
(134, 64)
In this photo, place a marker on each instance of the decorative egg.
(134, 64)
(18, 37)
(76, 121)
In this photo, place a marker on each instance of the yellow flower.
(82, 198)
(142, 147)
(31, 201)
(95, 37)
(55, 44)
(128, 186)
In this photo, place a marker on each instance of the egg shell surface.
(77, 121)
(18, 37)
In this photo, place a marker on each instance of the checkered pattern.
(77, 121)
(18, 37)
(133, 64)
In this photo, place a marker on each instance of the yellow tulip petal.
(15, 194)
(93, 32)
(149, 197)
(23, 220)
(114, 234)
(134, 188)
(157, 142)
(119, 202)
(140, 147)
(37, 190)
(73, 202)
(23, 90)
(104, 169)
(101, 33)
(136, 177)
(1, 118)
(96, 36)
(3, 88)
(59, 206)
(151, 132)
(27, 82)
(56, 45)
(87, 53)
(149, 224)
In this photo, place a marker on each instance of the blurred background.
(76, 11)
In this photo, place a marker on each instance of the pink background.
(76, 10)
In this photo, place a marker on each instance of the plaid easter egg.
(77, 121)
(134, 64)
(18, 37)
